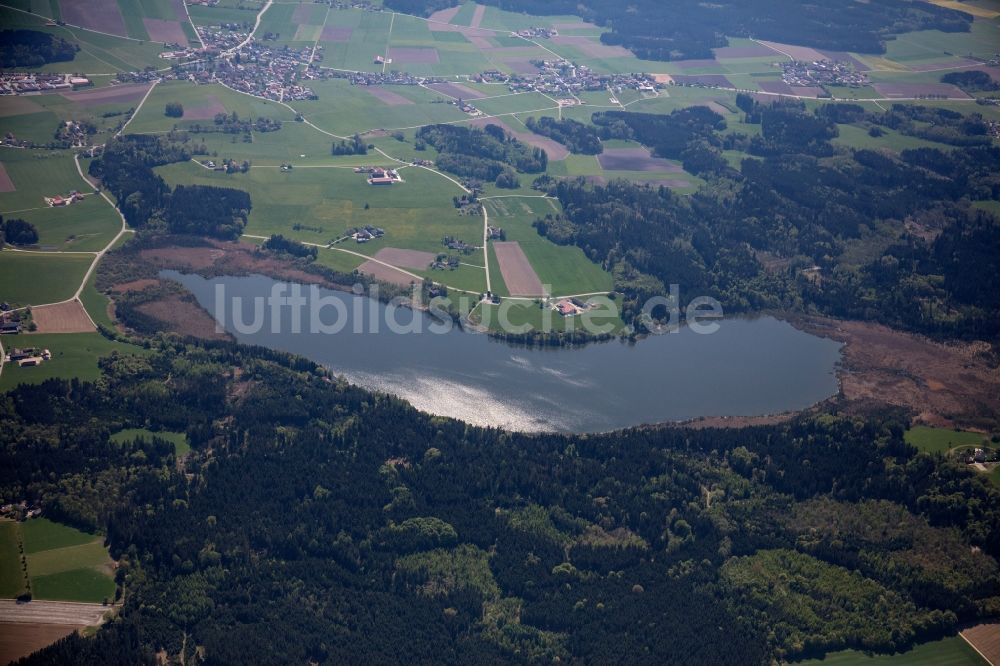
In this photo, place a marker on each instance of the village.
(567, 78)
(822, 73)
(25, 83)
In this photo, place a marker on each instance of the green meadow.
(74, 355)
(178, 439)
(66, 564)
(37, 278)
(12, 581)
(940, 440)
(951, 651)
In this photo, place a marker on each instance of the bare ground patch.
(100, 15)
(417, 55)
(69, 317)
(17, 105)
(165, 31)
(387, 97)
(634, 159)
(413, 259)
(945, 384)
(518, 275)
(385, 273)
(456, 90)
(66, 613)
(20, 640)
(206, 112)
(109, 95)
(6, 184)
(986, 639)
(333, 33)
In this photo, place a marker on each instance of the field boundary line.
(978, 651)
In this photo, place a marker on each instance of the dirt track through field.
(99, 15)
(69, 317)
(518, 275)
(66, 613)
(6, 184)
(385, 273)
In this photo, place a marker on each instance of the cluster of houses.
(978, 456)
(822, 73)
(445, 262)
(20, 511)
(366, 233)
(563, 77)
(28, 357)
(570, 307)
(457, 244)
(380, 176)
(58, 201)
(20, 83)
(535, 33)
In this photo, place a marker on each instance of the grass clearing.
(41, 534)
(83, 585)
(12, 582)
(952, 651)
(66, 564)
(940, 440)
(178, 439)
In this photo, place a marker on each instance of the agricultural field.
(951, 651)
(12, 581)
(940, 440)
(178, 439)
(65, 564)
(36, 278)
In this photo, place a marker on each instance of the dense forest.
(803, 224)
(16, 231)
(576, 136)
(486, 154)
(31, 48)
(126, 169)
(316, 522)
(682, 29)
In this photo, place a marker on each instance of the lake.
(748, 367)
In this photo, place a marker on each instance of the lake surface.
(748, 367)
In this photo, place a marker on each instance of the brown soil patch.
(69, 317)
(948, 385)
(179, 314)
(634, 159)
(165, 31)
(66, 613)
(20, 640)
(134, 285)
(387, 97)
(385, 273)
(417, 55)
(445, 15)
(986, 639)
(109, 95)
(456, 90)
(207, 112)
(518, 275)
(412, 259)
(100, 15)
(477, 16)
(753, 51)
(17, 105)
(6, 184)
(332, 33)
